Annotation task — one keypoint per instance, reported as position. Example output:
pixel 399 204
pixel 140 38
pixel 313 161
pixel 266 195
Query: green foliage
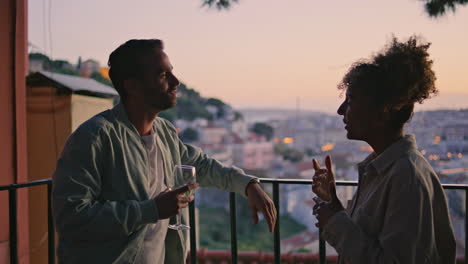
pixel 219 106
pixel 310 152
pixel 98 77
pixel 238 116
pixel 189 135
pixel 214 228
pixel 215 102
pixel 38 56
pixel 263 129
pixel 289 153
pixel 58 66
pixel 437 8
pixel 191 105
pixel 191 109
pixel 219 4
pixel 170 114
pixel 66 71
pixel 215 235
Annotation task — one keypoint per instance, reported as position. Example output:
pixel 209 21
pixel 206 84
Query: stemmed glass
pixel 184 174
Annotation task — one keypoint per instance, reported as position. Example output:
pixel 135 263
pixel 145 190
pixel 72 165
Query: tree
pixel 435 8
pixel 170 114
pixel 289 153
pixel 98 77
pixel 263 129
pixel 219 106
pixel 189 135
pixel 238 116
pixel 219 4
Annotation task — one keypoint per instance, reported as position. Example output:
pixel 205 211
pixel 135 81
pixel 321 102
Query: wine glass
pixel 184 174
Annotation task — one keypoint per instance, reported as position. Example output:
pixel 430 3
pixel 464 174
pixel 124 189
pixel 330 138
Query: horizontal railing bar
pixel 26 184
pixel 347 183
pixel 264 180
pixel 13 187
pixel 455 186
pixel 305 182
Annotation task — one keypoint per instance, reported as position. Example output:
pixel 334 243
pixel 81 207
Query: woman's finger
pixel 329 165
pixel 315 164
pixel 182 205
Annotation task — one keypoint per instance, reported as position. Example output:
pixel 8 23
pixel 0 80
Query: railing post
pixel 12 203
pixel 50 222
pixel 322 248
pixel 232 211
pixel 466 226
pixel 277 241
pixel 193 234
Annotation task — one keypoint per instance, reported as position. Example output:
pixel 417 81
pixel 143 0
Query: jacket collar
pixel 390 155
pixel 122 117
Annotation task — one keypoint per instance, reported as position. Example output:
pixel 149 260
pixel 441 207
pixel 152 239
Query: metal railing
pixel 322 248
pixel 13 217
pixel 12 201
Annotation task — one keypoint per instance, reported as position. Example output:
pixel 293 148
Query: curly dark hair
pixel 126 62
pixel 395 78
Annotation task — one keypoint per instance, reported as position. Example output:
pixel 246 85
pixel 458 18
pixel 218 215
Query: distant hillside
pixel 191 105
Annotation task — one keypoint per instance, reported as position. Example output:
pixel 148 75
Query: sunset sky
pixel 260 53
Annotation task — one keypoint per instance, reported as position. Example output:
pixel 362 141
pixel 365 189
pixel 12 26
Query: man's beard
pixel 168 101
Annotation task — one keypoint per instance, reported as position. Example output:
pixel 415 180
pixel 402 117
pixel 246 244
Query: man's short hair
pixel 126 62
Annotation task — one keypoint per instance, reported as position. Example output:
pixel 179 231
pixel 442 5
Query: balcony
pixel 208 256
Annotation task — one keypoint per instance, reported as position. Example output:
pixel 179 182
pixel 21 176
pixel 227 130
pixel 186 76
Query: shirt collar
pixel 362 166
pixel 393 152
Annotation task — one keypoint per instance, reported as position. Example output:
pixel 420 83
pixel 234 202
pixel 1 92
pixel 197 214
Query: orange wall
pixel 49 125
pixel 13 157
pixel 51 118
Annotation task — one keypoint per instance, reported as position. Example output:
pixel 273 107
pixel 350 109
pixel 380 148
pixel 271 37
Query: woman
pixel 399 213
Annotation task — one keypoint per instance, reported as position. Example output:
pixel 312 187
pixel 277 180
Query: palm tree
pixel 435 8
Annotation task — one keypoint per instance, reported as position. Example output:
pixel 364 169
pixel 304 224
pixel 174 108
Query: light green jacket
pixel 100 189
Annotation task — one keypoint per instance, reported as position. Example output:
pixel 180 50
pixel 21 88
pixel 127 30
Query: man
pixel 110 197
